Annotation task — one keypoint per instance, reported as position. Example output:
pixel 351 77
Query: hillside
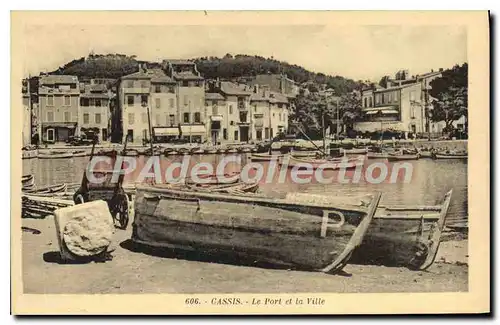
pixel 228 67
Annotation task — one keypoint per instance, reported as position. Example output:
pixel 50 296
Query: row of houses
pixel 174 99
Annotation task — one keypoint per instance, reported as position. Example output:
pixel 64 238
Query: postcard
pixel 212 162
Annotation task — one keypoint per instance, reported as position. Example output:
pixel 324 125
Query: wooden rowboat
pixel 354 151
pixel 311 237
pixel 404 236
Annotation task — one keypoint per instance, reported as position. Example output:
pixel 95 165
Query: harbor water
pixel 430 180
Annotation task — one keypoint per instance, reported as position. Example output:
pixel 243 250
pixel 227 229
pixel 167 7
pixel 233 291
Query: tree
pixel 450 94
pixel 350 108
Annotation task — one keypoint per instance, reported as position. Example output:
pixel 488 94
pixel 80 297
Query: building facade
pixel 402 105
pixel 59 102
pixel 95 114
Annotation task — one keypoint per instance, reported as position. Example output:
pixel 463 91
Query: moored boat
pixel 326 164
pixel 29 154
pixel 397 156
pixel 450 156
pixel 80 153
pixel 354 151
pixel 305 236
pixel 27 180
pixel 265 157
pixel 55 155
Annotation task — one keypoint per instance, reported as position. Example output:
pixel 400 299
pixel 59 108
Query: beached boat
pixel 107 153
pixel 425 154
pixel 131 153
pixel 246 150
pixel 59 188
pixel 197 151
pixel 55 155
pixel 170 152
pixel 305 154
pixel 377 155
pixel 265 157
pixel 304 236
pixel 404 236
pixel 231 150
pixel 398 235
pixel 326 164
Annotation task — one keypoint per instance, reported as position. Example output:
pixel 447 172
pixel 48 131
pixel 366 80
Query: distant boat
pixel 80 153
pixel 265 157
pixel 326 164
pixel 316 237
pixel 354 151
pixel 131 153
pixel 451 156
pixel 55 155
pixel 398 157
pixel 27 179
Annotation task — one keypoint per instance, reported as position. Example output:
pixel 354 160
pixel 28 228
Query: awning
pixel 216 118
pixel 383 111
pixel 193 129
pixel 158 131
pixel 68 125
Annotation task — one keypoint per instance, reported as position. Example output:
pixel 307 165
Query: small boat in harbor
pixel 326 164
pixel 231 150
pixel 197 151
pixel 354 151
pixel 80 153
pixel 451 155
pixel 399 157
pixel 55 155
pixel 265 157
pixel 305 154
pixel 107 153
pixel 131 153
pixel 304 236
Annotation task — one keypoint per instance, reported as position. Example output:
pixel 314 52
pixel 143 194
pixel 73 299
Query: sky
pixel 353 51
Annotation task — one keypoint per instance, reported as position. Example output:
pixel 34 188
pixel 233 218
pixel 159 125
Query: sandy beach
pixel 143 271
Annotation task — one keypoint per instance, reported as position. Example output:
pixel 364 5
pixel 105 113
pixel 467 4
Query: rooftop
pixel 230 88
pixel 213 96
pixel 58 79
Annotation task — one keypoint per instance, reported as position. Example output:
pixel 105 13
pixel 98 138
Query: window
pixel 197 117
pixel 370 102
pixel 412 96
pixel 144 99
pixel 272 132
pixel 50 100
pixel 280 105
pixel 365 102
pixel 185 100
pixel 51 135
pixel 259 134
pixel 255 109
pixel 224 134
pixel 144 117
pixel 230 109
pixel 131 118
pixel 266 133
pixel 171 89
pixel 158 102
pixel 129 84
pixel 144 84
pixel 382 98
pixel 274 114
pixel 186 117
pixel 172 119
pixel 236 135
pixel 157 120
pixel 157 88
pixel 66 116
pixel 215 110
pixel 67 101
pixel 84 102
pixel 130 100
pixel 280 116
pixel 171 102
pixel 98 118
pixel 412 111
pixel 105 134
pixel 85 118
pixel 185 83
pixel 377 99
pixel 98 103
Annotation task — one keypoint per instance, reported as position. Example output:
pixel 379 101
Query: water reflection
pixel 431 179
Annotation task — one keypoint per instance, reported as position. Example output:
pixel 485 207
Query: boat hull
pixel 438 156
pixel 402 157
pixel 265 230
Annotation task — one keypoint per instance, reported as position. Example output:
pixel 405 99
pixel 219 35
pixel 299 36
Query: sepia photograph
pixel 233 162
